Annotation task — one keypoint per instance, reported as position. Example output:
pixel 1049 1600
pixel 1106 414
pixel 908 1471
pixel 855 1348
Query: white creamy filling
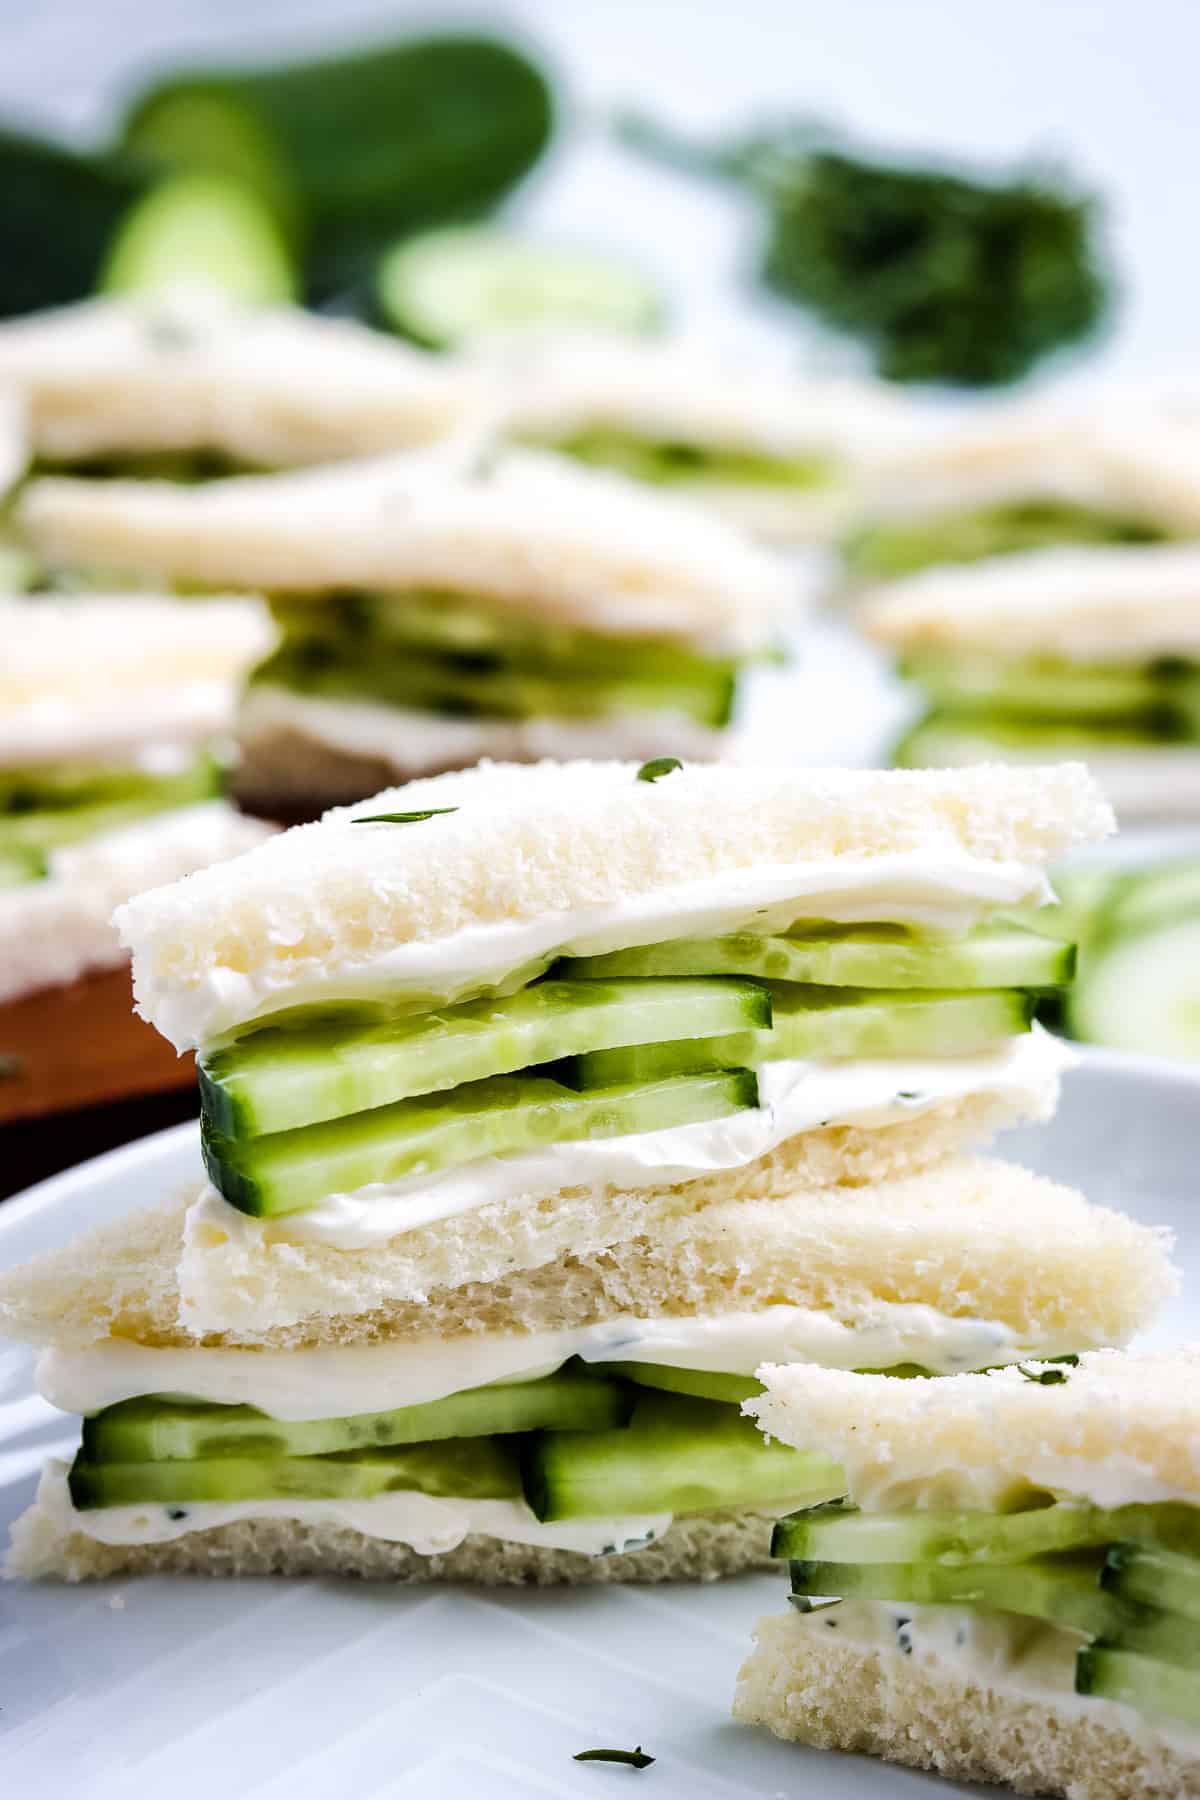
pixel 339 1380
pixel 793 1097
pixel 1001 1653
pixel 147 730
pixel 944 890
pixel 429 1524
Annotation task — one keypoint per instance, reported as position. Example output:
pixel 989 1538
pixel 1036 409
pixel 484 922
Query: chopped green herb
pixel 637 1759
pixel 662 765
pixel 409 818
pixel 1045 1377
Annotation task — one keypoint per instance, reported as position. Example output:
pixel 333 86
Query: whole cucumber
pixel 58 212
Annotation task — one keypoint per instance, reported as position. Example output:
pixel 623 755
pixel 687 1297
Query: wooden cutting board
pixel 82 1045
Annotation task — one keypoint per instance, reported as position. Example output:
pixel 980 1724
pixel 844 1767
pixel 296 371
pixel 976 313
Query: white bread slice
pixel 812 1678
pixel 303 753
pixel 539 534
pixel 194 370
pixel 1113 603
pixel 697 1547
pixel 106 674
pixel 317 908
pixel 1121 1427
pixel 974 1238
pixel 60 928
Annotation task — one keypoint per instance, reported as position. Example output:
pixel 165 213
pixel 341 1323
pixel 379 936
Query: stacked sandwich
pixel 1082 652
pixel 782 456
pixel 1022 478
pixel 436 610
pixel 1012 1591
pixel 115 715
pixel 190 385
pixel 541 1106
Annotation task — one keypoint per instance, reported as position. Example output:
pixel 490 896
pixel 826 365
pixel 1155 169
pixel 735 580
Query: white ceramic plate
pixel 191 1690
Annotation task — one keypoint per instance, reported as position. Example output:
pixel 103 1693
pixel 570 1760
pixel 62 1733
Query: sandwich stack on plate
pixel 1018 479
pixel 541 1106
pixel 189 384
pixel 781 455
pixel 438 609
pixel 1012 1591
pixel 115 718
pixel 1093 653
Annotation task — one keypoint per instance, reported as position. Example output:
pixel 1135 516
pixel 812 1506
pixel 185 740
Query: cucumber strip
pixel 840 1533
pixel 292 1170
pixel 201 229
pixel 676 1455
pixel 669 463
pixel 1140 898
pixel 1148 1685
pixel 829 1024
pixel 701 1384
pixel 447 286
pixel 950 740
pixel 1064 1590
pixel 883 551
pixel 43 829
pixel 1155 1577
pixel 1052 688
pixel 854 956
pixel 277 1080
pixel 469 1468
pixel 20 864
pixel 1141 992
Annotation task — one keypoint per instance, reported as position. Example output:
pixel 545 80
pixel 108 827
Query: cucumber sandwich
pixel 114 714
pixel 1087 652
pixel 781 455
pixel 189 384
pixel 1011 1590
pixel 541 1105
pixel 438 609
pixel 1021 478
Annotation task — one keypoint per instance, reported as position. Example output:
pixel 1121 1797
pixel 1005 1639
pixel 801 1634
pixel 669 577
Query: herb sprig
pixel 660 766
pixel 636 1759
pixel 404 818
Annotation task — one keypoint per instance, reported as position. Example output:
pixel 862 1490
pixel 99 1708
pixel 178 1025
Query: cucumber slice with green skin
pixel 480 1468
pixel 1053 688
pixel 669 464
pixel 701 1384
pixel 1147 897
pixel 277 1080
pixel 292 1170
pixel 158 1428
pixel 945 740
pixel 1148 1685
pixel 37 832
pixel 1141 992
pixel 1155 1577
pixel 853 956
pixel 20 864
pixel 445 287
pixel 840 1533
pixel 201 229
pixel 676 1455
pixel 1064 1590
pixel 826 1025
pixel 882 552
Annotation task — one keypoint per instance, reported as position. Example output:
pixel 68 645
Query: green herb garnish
pixel 661 765
pixel 409 818
pixel 637 1759
pixel 1046 1377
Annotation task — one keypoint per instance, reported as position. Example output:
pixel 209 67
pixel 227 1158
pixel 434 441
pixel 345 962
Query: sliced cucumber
pixel 34 831
pixel 701 1384
pixel 1154 1577
pixel 667 463
pixel 1053 688
pixel 198 229
pixel 447 286
pixel 676 1455
pixel 158 1428
pixel 1161 894
pixel 1148 1685
pixel 292 1170
pixel 829 1024
pixel 276 1080
pixel 945 740
pixel 1064 1590
pixel 20 864
pixel 883 551
pixel 470 1468
pixel 840 1533
pixel 854 956
pixel 1141 992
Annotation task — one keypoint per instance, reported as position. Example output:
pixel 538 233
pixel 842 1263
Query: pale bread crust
pixel 531 840
pixel 699 1547
pixel 806 1686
